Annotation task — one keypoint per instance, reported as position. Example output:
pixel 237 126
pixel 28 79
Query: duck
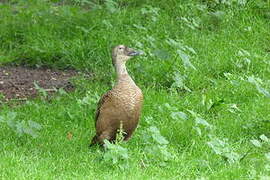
pixel 120 107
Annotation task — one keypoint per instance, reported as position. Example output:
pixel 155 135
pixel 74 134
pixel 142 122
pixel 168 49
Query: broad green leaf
pixel 198 130
pixel 267 155
pixel 263 91
pixel 34 125
pixel 42 91
pixel 161 54
pixel 149 119
pixel 209 104
pixel 264 138
pixel 201 121
pixel 256 143
pixel 232 157
pixel 243 53
pixel 83 29
pixel 155 133
pixel 264 177
pixel 242 2
pixel 174 43
pixel 160 139
pixel 190 49
pixel 214 147
pixel 179 115
pixel 30 131
pixel 252 80
pixel 256 82
pixel 111 6
pixel 20 128
pixel 107 23
pixel 218 14
pixel 11 123
pixel 153 129
pixel 169 107
pixel 193 113
pixel 179 82
pixel 247 60
pixel 185 58
pixel 11 116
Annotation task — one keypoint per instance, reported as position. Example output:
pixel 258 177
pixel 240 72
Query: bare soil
pixel 19 82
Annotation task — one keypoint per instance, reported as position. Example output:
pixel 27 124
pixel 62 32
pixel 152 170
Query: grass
pixel 208 100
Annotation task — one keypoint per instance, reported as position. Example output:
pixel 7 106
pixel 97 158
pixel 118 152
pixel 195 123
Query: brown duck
pixel 121 106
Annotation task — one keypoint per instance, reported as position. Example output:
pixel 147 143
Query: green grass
pixel 231 44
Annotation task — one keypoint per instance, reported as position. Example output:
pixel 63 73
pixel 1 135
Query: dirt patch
pixel 19 82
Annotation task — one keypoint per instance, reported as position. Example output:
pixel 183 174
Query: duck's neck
pixel 122 73
pixel 121 69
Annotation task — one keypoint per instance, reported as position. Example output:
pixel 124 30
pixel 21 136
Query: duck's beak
pixel 132 52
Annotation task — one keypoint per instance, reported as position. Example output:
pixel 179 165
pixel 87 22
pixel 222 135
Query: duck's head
pixel 122 54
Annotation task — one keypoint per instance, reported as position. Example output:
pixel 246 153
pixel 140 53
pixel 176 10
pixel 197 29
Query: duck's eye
pixel 121 48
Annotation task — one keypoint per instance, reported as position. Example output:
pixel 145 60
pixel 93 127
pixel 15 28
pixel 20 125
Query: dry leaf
pixel 69 135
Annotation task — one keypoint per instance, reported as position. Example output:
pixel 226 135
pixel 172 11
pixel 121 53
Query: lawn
pixel 205 75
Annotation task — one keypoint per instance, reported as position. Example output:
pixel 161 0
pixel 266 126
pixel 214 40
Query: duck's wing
pixel 105 98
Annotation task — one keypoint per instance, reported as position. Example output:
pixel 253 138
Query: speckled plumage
pixel 122 104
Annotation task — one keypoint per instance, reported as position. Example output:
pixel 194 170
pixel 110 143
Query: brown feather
pixel 99 105
pixel 121 105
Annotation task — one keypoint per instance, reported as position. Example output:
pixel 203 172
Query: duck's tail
pixel 94 141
